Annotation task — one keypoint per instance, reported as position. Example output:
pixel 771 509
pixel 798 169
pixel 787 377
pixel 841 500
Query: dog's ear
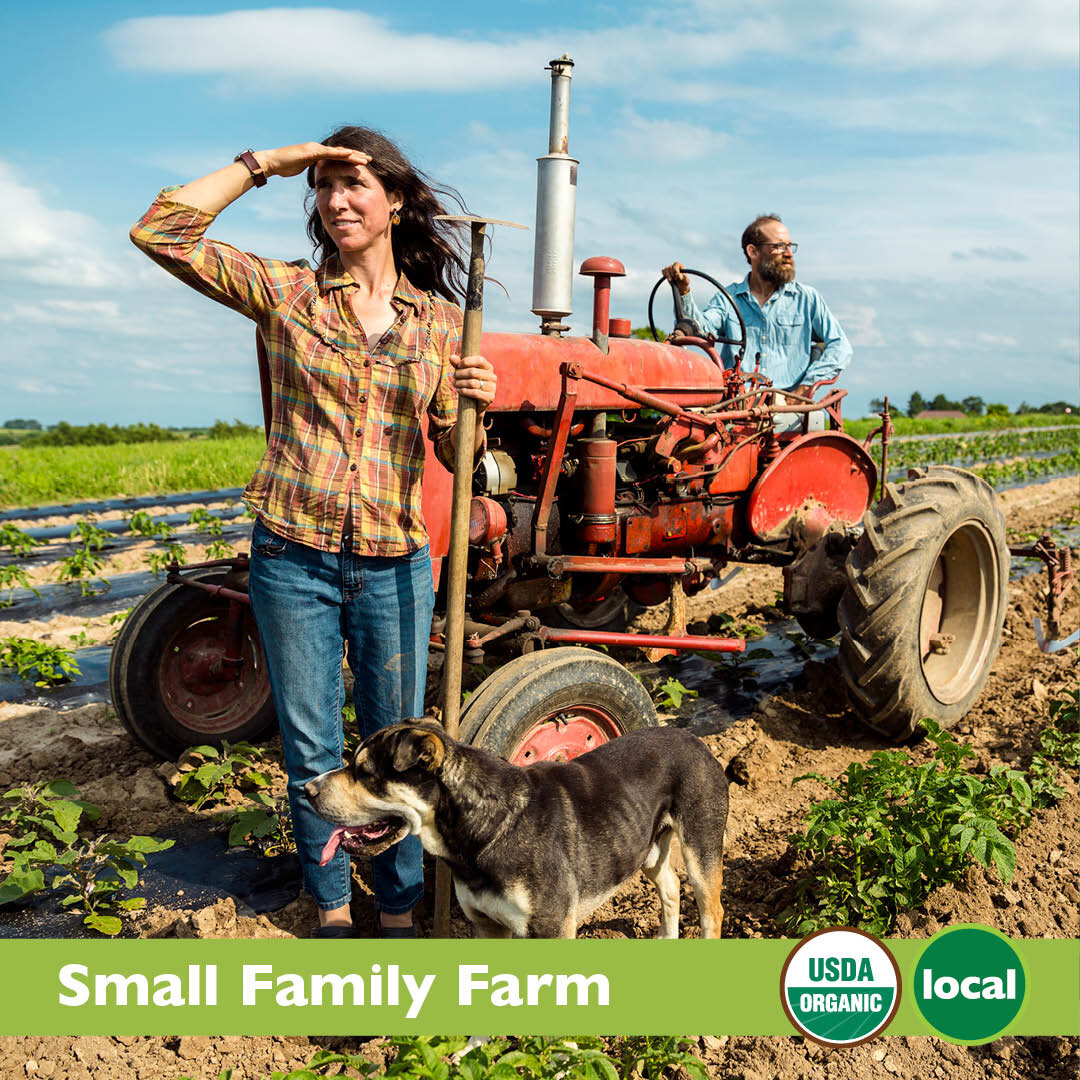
pixel 423 748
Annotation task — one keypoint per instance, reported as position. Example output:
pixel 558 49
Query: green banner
pixel 290 987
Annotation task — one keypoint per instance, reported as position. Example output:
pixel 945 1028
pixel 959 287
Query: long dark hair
pixel 429 252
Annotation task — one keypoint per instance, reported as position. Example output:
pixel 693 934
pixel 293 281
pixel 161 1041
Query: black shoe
pixel 333 932
pixel 393 931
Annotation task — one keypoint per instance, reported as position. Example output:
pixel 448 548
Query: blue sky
pixel 925 155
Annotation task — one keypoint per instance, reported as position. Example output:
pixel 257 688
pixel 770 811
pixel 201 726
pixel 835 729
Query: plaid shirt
pixel 348 418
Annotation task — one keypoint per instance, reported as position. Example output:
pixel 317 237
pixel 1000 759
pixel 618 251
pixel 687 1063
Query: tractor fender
pixel 820 478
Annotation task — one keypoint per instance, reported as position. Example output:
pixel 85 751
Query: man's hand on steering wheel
pixel 674 275
pixel 677 277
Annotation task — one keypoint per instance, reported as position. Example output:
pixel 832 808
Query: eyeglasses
pixel 780 245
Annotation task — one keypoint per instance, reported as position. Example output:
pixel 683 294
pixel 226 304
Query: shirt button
pixel 367 363
pixel 363 398
pixel 352 468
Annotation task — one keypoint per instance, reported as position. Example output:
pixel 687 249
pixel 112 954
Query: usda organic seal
pixel 969 983
pixel 840 986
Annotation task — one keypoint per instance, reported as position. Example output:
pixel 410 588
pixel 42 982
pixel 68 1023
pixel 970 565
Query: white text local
pixel 972 987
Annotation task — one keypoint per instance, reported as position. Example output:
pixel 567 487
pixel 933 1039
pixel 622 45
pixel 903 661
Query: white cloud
pixel 279 48
pixel 996 340
pixel 860 325
pixel 46 244
pixel 912 34
pixel 677 140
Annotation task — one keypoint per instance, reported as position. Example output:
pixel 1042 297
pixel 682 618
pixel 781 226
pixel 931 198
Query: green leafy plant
pixel 142 524
pixel 896 829
pixel 205 521
pixel 11 578
pixel 81 639
pixel 1059 744
pixel 90 873
pixel 82 567
pixel 670 693
pixel 213 773
pixel 538 1057
pixel 264 823
pixel 159 561
pixel 39 811
pixel 31 660
pixel 219 548
pixel 89 535
pixel 19 543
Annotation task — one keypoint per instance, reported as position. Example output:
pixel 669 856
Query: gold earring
pixel 396 219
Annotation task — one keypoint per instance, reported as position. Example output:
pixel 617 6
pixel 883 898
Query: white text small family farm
pixel 259 985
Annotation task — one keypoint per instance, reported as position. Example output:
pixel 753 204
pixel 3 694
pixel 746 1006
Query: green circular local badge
pixel 969 984
pixel 840 986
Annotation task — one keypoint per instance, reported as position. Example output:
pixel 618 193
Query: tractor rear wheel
pixel 554 705
pixel 168 683
pixel 922 613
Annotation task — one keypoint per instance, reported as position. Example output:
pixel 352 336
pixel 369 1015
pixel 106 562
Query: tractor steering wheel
pixel 740 343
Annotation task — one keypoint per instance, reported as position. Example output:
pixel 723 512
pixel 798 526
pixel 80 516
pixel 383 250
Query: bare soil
pixel 806 728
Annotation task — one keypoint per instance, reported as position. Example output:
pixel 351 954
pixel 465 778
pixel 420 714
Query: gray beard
pixel 776 273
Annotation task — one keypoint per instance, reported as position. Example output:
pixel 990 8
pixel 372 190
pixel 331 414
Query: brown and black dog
pixel 535 850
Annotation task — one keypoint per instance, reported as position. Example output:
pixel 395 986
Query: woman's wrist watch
pixel 248 158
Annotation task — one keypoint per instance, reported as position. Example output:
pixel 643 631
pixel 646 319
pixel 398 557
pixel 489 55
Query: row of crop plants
pixel 83 567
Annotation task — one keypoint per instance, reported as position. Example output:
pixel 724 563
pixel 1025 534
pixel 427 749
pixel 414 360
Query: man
pixel 783 318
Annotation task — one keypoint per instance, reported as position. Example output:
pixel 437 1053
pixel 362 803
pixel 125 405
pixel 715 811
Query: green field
pixel 904 425
pixel 36 476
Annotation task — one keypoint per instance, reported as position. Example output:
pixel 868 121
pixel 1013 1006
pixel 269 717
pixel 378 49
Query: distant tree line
pixel 65 434
pixel 971 406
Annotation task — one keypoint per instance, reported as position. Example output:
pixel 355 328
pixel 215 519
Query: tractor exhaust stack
pixel 556 197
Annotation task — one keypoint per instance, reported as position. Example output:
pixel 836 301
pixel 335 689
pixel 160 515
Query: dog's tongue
pixel 332 845
pixel 366 832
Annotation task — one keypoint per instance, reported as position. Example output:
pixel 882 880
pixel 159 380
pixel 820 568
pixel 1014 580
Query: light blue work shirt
pixel 793 318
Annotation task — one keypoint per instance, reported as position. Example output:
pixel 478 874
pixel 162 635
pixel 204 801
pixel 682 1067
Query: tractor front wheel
pixel 170 683
pixel 554 705
pixel 922 613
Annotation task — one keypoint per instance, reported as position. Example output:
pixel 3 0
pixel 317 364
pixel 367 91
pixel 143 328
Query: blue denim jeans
pixel 308 605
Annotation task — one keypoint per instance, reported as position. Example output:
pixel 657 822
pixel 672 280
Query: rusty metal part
pixel 644 641
pixel 537 593
pixel 523 620
pixel 596 477
pixel 884 429
pixel 487 521
pixel 1060 575
pixel 558 565
pixel 540 432
pixel 601 269
pixel 239 564
pixel 553 459
pixel 815 581
pixel 821 477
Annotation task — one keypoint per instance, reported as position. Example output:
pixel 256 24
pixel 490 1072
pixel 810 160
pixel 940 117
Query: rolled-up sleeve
pixel 174 236
pixel 824 327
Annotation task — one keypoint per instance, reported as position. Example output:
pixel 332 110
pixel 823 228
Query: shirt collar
pixel 743 287
pixel 332 275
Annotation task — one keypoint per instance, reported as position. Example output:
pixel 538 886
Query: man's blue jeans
pixel 308 604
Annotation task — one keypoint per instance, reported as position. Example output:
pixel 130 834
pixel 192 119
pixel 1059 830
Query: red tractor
pixel 622 473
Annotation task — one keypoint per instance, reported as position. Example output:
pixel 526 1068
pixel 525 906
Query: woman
pixel 363 356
